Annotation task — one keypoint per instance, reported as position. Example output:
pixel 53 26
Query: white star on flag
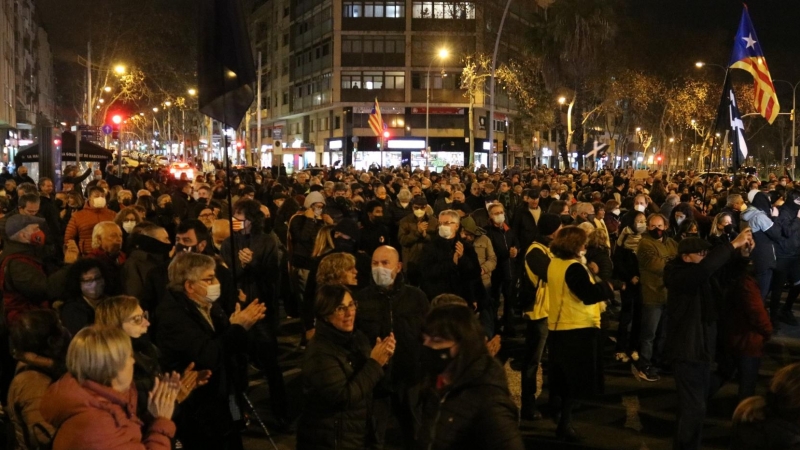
pixel 750 41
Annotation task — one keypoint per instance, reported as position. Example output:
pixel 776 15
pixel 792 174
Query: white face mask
pixel 419 213
pixel 383 276
pixel 445 231
pixel 582 253
pixel 212 293
pixel 318 212
pixel 639 207
pixel 98 202
pixel 679 220
pixel 128 225
pixel 195 195
pixel 500 218
pixel 615 211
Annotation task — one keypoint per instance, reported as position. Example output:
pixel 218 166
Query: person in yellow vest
pixel 576 301
pixel 537 260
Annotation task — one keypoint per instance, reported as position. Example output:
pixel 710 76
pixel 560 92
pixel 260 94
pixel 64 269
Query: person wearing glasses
pixel 207 216
pixel 124 312
pixel 193 327
pixel 450 265
pixel 339 374
pixel 692 306
pixel 86 285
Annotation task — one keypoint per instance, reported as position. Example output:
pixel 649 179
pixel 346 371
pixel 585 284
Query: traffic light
pixel 117 119
pixel 386 135
pixel 658 158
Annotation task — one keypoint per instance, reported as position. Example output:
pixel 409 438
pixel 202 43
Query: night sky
pixel 678 31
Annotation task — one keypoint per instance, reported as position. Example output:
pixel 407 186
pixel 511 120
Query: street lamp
pixel 192 92
pixel 442 54
pixel 562 100
pixel 119 69
pixel 107 88
pixel 701 64
pixel 169 127
pixel 794 123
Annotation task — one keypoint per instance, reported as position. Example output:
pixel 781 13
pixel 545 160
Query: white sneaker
pixel 635 355
pixel 621 356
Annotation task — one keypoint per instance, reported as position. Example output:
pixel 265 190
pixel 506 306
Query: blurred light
pixel 107 88
pixel 167 103
pixel 155 110
pixel 120 69
pixel 117 119
pixel 699 64
pixel 101 101
pixel 562 100
pixel 192 91
pixel 444 53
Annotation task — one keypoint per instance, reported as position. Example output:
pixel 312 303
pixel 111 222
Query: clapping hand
pixel 191 380
pixel 249 316
pixel 245 256
pixel 459 252
pixel 161 400
pixel 383 350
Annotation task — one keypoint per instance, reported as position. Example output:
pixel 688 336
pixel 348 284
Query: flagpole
pixel 714 141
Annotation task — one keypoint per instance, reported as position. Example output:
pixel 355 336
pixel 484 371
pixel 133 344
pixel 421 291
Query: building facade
pixel 326 62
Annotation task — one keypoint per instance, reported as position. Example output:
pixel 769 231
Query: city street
pixel 632 415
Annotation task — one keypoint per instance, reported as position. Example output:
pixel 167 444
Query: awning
pixel 89 152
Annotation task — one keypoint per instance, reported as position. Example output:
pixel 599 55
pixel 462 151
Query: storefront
pixel 411 150
pixel 334 153
pixel 362 160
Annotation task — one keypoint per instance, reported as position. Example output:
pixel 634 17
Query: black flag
pixel 225 68
pixel 730 127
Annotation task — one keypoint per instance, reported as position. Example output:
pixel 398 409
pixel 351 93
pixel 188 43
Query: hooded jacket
pixel 789 225
pixel 91 416
pixel 765 233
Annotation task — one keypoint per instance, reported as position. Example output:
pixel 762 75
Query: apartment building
pixel 325 62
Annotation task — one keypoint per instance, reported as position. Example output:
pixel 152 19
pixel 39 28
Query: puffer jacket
pixel 23 408
pixel 474 412
pixel 338 380
pixel 90 416
pixel 82 223
pixel 653 255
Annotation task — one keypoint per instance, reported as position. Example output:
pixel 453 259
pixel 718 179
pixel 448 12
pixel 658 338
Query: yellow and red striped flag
pixel 375 119
pixel 748 55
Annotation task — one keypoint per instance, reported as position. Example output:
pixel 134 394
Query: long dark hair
pixel 72 283
pixel 252 212
pixel 39 331
pixel 457 323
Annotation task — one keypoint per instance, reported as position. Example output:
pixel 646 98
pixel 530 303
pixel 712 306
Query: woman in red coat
pixel 93 406
pixel 749 324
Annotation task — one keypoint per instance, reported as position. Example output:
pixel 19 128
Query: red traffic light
pixel 117 119
pixel 386 134
pixel 56 142
pixel 659 158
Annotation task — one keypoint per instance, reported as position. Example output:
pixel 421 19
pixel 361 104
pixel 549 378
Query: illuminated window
pixel 443 10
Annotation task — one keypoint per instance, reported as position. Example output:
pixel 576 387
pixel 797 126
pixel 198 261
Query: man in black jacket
pixel 447 265
pixel 506 248
pixel 194 328
pixel 692 308
pixel 391 306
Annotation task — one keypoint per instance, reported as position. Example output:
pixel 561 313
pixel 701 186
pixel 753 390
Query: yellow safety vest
pixel 541 303
pixel 567 312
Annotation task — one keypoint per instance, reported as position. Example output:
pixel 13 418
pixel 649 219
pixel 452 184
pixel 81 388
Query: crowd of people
pixel 136 306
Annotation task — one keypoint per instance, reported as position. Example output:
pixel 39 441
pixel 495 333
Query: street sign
pixel 107 129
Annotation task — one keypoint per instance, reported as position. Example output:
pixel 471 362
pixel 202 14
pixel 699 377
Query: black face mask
pixel 127 202
pixel 180 248
pixel 728 229
pixel 434 362
pixel 344 244
pixel 566 219
pixel 656 233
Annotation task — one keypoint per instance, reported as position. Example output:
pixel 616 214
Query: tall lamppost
pixel 794 122
pixel 167 105
pixel 561 101
pixel 442 54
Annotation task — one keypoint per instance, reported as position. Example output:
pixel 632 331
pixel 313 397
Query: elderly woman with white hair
pixel 449 265
pixel 192 327
pixel 93 406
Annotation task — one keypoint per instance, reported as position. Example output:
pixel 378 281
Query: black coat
pixel 475 412
pixel 441 276
pixel 524 226
pixel 692 293
pixel 185 336
pixel 771 434
pixel 76 313
pixel 398 309
pixel 338 380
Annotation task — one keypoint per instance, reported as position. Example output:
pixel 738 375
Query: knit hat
pixel 469 225
pixel 548 224
pixel 419 200
pixel 313 197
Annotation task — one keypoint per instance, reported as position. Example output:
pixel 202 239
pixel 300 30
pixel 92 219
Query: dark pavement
pixel 634 415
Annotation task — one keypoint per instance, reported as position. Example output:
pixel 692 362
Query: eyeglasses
pixel 138 319
pixel 209 280
pixel 206 216
pixel 447 223
pixel 342 309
